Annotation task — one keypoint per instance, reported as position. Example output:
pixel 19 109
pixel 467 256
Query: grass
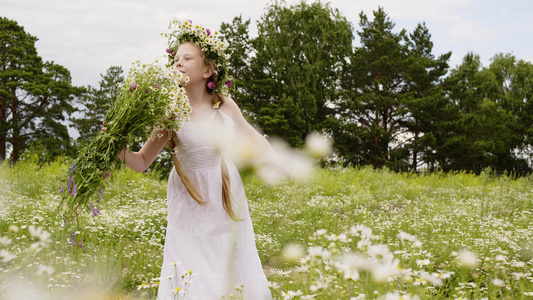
pixel 347 234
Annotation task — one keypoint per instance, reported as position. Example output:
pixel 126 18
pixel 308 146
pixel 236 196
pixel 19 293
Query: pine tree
pixel 371 112
pixel 35 96
pixel 423 100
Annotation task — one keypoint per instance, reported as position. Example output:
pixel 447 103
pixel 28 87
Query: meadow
pixel 348 233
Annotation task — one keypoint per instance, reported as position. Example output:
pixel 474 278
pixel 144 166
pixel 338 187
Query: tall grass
pixel 347 234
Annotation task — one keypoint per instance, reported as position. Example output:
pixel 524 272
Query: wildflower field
pixel 346 234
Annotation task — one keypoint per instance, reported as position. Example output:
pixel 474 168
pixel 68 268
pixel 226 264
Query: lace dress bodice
pixel 202 163
pixel 203 238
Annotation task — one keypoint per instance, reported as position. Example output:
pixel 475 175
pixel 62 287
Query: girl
pixel 210 249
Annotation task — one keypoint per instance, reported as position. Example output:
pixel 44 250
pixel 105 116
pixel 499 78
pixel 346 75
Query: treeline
pixel 389 102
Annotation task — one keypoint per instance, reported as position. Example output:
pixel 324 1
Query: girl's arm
pixel 140 161
pixel 232 109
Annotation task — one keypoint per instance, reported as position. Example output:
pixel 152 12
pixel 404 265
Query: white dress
pixel 208 255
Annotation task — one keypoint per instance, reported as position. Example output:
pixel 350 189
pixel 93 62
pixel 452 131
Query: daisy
pixel 4 240
pixel 5 256
pixel 467 259
pixel 422 262
pixel 43 238
pixel 291 294
pixel 498 282
pixel 319 252
pixel 406 237
pixel 273 285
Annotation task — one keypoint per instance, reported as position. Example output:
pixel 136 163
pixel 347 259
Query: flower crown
pixel 212 44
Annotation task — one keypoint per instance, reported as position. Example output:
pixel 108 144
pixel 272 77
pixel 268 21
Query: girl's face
pixel 189 62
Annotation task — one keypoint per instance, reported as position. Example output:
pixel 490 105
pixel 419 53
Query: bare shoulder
pixel 231 108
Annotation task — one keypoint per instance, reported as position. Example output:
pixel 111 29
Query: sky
pixel 89 36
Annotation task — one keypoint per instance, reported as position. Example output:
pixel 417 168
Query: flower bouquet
pixel 150 100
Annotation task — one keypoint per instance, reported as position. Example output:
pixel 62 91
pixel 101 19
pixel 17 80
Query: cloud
pixel 450 18
pixel 88 36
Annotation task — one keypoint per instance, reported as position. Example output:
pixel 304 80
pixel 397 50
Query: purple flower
pixel 229 83
pixel 69 182
pixel 100 195
pixel 208 32
pixel 169 51
pixel 74 188
pixel 156 85
pixel 147 91
pixel 133 86
pixel 211 85
pixel 106 175
pixel 72 240
pixel 94 209
pixel 80 243
pixel 190 21
pixel 62 189
pixel 72 168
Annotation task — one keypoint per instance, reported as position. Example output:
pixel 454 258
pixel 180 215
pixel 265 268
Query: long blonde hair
pixel 218 101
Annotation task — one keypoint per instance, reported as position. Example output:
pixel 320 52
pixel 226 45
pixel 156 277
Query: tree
pixel 96 103
pixel 522 92
pixel 423 99
pixel 240 51
pixel 482 131
pixel 295 70
pixel 369 116
pixel 34 95
pixel 515 91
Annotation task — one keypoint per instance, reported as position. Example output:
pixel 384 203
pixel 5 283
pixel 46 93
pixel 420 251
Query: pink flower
pixel 211 85
pixel 156 85
pixel 169 51
pixel 190 21
pixel 133 86
pixel 208 32
pixel 229 83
